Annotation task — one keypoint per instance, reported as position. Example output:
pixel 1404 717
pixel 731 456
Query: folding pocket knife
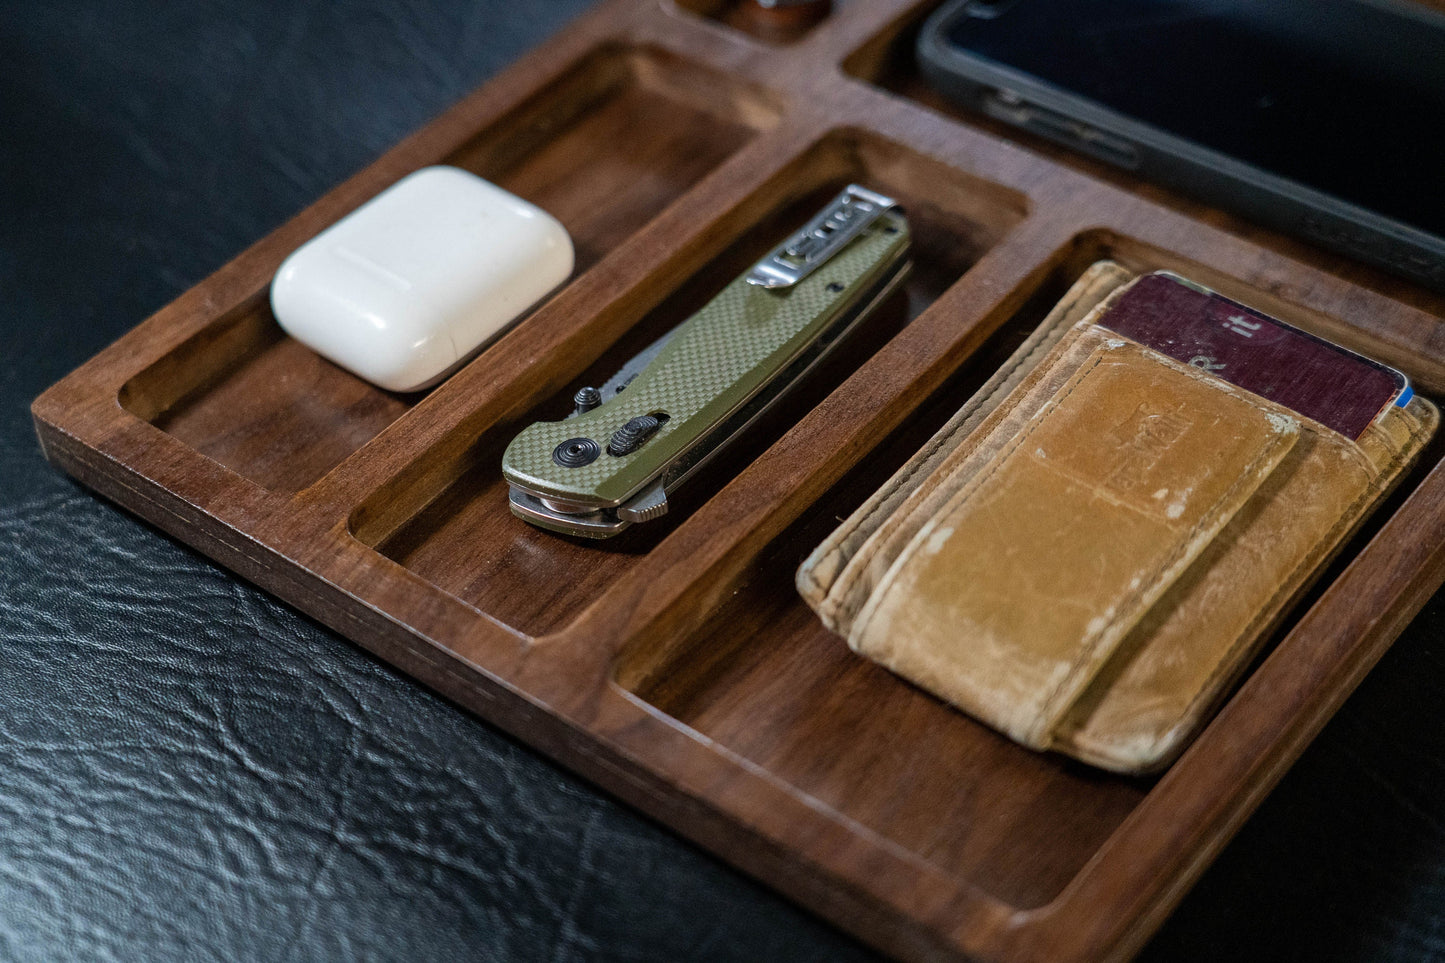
pixel 631 443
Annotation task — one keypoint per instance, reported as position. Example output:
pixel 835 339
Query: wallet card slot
pixel 1009 600
pixel 1167 676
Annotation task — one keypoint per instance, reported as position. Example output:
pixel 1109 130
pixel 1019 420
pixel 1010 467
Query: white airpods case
pixel 410 285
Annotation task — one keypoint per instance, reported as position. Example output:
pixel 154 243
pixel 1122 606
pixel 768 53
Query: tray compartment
pixel 245 395
pixel 616 140
pixel 466 542
pixel 764 678
pixel 889 61
pixel 770 683
pixel 888 58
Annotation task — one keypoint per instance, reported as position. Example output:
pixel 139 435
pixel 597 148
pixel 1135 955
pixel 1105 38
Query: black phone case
pixel 1025 101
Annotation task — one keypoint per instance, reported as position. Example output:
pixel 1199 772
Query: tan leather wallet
pixel 1091 551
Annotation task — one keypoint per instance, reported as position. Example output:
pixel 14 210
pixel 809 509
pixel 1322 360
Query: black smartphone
pixel 1321 118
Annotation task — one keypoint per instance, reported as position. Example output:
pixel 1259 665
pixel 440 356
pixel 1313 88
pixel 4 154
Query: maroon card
pixel 1320 380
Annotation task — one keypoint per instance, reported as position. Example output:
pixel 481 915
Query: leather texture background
pixel 190 770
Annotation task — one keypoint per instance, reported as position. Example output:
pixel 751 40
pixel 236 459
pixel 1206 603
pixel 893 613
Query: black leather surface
pixel 190 770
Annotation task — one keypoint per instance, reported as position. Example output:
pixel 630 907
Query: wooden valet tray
pixel 675 665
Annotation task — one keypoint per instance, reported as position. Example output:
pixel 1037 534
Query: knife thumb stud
pixel 585 400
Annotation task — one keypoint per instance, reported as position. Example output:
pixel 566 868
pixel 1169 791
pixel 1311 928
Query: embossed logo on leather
pixel 1140 440
pixel 1152 437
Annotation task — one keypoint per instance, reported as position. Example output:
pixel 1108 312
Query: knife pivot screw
pixel 585 400
pixel 629 437
pixel 576 452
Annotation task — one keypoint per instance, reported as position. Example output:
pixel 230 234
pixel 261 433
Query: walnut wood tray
pixel 675 665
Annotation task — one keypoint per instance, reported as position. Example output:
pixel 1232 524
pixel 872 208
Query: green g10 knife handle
pixel 714 363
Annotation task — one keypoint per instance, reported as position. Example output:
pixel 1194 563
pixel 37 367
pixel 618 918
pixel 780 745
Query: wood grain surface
pixel 676 666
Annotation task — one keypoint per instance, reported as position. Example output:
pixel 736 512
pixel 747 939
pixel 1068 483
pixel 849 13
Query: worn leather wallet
pixel 1092 550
